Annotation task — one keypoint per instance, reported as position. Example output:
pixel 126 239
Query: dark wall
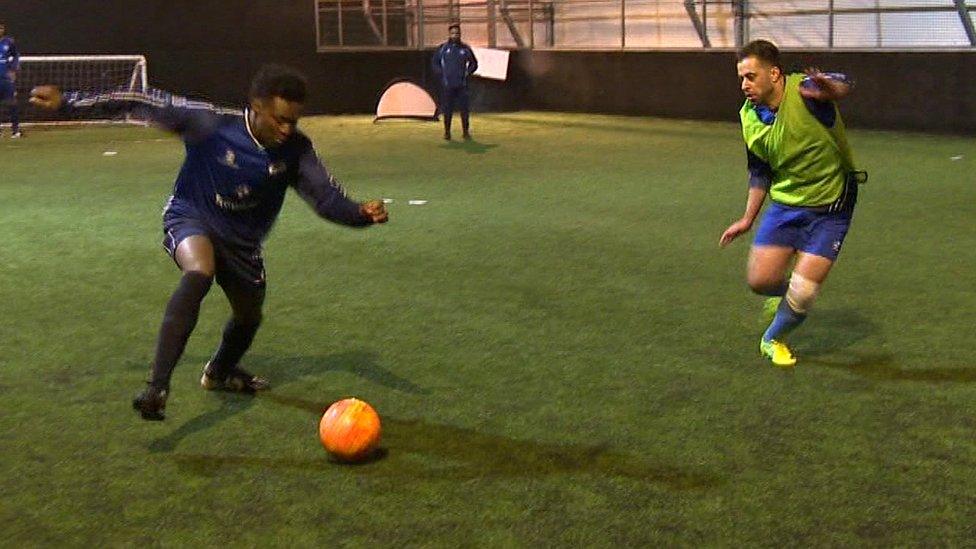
pixel 210 48
pixel 932 91
pixel 920 91
pixel 685 85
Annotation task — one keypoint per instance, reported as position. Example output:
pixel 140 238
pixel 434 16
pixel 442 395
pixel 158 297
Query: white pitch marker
pixel 388 201
pixel 957 157
pixel 110 153
pixel 416 202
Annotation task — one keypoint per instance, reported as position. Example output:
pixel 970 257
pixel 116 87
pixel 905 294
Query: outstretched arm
pixel 192 119
pixel 325 195
pixel 825 86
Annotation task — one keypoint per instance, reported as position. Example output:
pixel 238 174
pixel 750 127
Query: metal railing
pixel 647 24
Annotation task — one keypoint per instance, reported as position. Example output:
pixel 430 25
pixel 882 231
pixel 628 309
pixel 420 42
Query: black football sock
pixel 178 322
pixel 447 123
pixel 235 342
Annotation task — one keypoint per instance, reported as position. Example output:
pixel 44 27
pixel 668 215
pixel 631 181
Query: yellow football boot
pixel 777 352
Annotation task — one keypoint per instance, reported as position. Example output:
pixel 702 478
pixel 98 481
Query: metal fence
pixel 647 24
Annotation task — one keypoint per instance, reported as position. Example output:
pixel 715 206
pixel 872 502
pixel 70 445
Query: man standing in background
pixel 9 63
pixel 453 62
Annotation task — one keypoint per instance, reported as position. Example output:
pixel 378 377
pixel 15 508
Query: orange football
pixel 350 429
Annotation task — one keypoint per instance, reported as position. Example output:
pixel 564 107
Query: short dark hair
pixel 454 26
pixel 279 81
pixel 763 50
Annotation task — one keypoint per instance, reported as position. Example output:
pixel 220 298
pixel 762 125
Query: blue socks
pixel 785 321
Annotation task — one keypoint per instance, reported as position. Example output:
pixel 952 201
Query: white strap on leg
pixel 801 293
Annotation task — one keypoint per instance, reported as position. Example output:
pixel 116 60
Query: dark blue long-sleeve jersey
pixel 229 180
pixel 453 63
pixel 9 57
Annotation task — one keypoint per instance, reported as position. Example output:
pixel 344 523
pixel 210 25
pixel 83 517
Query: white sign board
pixel 492 64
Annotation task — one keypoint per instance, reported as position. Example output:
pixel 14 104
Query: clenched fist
pixel 46 97
pixel 374 210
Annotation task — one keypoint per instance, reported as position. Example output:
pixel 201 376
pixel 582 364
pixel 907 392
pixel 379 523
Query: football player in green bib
pixel 798 156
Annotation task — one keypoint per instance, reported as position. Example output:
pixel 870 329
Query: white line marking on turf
pixel 417 202
pixel 388 201
pixel 957 157
pixel 110 153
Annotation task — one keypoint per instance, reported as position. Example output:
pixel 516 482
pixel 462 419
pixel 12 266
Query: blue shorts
pixel 235 264
pixel 8 91
pixel 812 232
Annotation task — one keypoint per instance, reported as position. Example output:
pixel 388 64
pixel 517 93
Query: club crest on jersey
pixel 240 200
pixel 230 160
pixel 276 168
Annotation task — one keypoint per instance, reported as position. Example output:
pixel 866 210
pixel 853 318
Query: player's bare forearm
pixel 741 226
pixel 754 202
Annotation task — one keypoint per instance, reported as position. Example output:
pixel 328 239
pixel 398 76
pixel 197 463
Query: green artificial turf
pixel 560 352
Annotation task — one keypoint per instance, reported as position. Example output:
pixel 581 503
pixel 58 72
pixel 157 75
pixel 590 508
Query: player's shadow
pixel 231 404
pixel 882 367
pixel 833 331
pixel 282 370
pixel 469 146
pixel 460 454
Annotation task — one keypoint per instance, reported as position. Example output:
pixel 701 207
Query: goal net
pixel 77 72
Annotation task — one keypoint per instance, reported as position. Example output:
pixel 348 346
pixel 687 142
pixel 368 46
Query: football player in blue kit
pixel 9 65
pixel 226 198
pixel 452 63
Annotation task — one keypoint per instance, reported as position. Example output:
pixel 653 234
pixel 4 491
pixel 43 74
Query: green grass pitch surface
pixel 561 354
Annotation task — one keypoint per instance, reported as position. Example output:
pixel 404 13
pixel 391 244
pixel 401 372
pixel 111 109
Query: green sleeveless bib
pixel 809 161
